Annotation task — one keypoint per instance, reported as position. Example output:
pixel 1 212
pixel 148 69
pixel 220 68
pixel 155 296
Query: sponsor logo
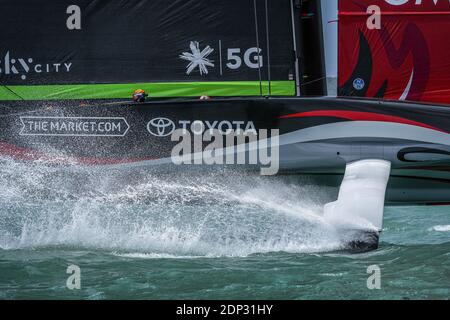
pixel 24 66
pixel 164 127
pixel 74 126
pixel 198 58
pixel 161 127
pixel 397 2
pixel 223 126
pixel 235 58
pixel 359 84
pixel 402 2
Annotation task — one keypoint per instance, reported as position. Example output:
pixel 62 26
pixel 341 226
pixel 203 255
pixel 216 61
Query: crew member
pixel 139 95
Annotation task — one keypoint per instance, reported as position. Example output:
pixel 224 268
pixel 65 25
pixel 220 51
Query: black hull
pixel 317 136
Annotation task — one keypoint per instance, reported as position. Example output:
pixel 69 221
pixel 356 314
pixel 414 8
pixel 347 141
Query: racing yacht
pixel 67 83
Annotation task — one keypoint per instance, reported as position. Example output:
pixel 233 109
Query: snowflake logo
pixel 198 58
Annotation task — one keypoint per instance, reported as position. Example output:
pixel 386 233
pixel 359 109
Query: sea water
pixel 217 235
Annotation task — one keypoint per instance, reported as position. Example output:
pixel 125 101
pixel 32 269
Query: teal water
pixel 215 236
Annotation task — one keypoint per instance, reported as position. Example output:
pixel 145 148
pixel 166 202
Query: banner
pixel 58 49
pixel 404 58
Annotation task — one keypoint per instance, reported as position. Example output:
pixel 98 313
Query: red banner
pixel 395 49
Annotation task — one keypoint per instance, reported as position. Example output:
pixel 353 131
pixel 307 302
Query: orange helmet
pixel 139 95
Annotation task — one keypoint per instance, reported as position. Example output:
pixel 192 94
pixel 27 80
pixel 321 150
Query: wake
pixel 213 214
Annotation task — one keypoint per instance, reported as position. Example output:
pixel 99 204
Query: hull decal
pixel 359 116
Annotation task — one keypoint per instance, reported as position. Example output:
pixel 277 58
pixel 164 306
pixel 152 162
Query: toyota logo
pixel 161 127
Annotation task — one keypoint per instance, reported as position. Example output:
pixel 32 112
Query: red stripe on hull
pixel 359 116
pixel 20 153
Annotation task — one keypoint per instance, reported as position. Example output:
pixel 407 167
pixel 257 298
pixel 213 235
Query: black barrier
pixel 85 41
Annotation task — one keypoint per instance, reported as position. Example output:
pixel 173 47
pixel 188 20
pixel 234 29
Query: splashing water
pixel 444 228
pixel 212 214
pixel 215 235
